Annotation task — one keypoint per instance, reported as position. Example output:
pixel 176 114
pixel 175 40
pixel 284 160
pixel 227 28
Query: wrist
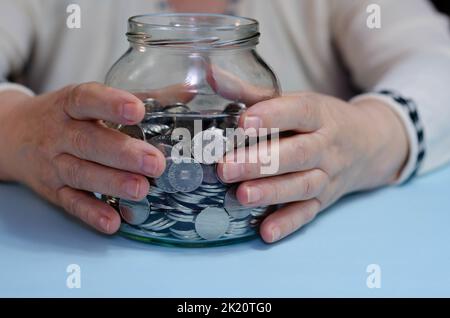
pixel 385 144
pixel 11 102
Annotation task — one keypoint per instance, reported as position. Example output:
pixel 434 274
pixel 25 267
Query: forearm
pixel 10 101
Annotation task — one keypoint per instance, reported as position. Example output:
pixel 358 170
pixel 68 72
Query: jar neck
pixel 193 31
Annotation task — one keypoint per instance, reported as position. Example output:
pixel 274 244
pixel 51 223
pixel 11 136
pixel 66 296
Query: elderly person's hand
pixel 334 148
pixel 57 145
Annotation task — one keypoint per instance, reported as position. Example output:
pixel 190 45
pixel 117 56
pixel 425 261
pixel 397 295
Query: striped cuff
pixel 407 111
pixel 7 86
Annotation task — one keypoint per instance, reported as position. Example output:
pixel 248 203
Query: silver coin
pixel 209 174
pixel 212 223
pixel 152 234
pixel 180 207
pixel 152 130
pixel 259 212
pixel 156 192
pixel 177 108
pixel 167 224
pixel 235 108
pixel 216 190
pixel 161 139
pixel 211 142
pixel 181 217
pixel 151 106
pixel 160 206
pixel 239 224
pixel 188 198
pixel 185 235
pixel 134 213
pixel 186 175
pixel 234 208
pixel 134 131
pixel 153 221
pixel 163 181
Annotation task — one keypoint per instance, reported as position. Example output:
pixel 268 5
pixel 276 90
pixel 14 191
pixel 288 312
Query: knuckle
pixel 323 178
pixel 80 142
pixel 276 193
pixel 308 187
pixel 50 175
pixel 77 92
pixel 63 97
pixel 74 205
pixel 301 153
pixel 309 104
pixel 73 174
pixel 309 215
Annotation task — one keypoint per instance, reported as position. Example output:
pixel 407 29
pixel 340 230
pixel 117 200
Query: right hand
pixel 57 144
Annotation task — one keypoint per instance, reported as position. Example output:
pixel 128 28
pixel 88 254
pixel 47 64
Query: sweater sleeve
pixel 16 40
pixel 406 64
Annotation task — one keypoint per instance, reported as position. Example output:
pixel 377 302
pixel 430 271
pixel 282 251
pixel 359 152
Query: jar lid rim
pixel 197 30
pixel 241 22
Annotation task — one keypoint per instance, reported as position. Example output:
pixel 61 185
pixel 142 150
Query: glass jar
pixel 196 74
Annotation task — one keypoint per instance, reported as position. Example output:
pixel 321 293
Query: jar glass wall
pixel 196 74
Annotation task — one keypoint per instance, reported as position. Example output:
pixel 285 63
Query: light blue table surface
pixel 405 230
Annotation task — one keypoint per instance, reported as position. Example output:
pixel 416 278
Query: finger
pixel 288 219
pixel 88 176
pixel 88 209
pixel 93 142
pixel 291 187
pixel 90 101
pixel 234 88
pixel 296 153
pixel 178 93
pixel 297 113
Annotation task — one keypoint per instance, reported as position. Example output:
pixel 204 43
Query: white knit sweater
pixel 320 45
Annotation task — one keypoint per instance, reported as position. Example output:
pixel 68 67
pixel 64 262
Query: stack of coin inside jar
pixel 188 204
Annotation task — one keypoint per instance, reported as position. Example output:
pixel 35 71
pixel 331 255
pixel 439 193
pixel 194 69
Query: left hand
pixel 335 148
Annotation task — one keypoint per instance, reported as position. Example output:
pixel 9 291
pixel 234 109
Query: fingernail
pixel 104 224
pixel 254 194
pixel 132 188
pixel 251 126
pixel 129 111
pixel 232 171
pixel 276 235
pixel 150 165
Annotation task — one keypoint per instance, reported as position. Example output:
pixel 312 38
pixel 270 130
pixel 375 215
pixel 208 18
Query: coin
pixel 151 106
pixel 163 181
pixel 134 131
pixel 209 174
pixel 186 175
pixel 235 108
pixel 176 108
pixel 134 213
pixel 233 206
pixel 212 143
pixel 161 139
pixel 181 217
pixel 152 130
pixel 212 223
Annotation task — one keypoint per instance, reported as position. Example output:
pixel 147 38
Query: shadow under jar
pixel 196 74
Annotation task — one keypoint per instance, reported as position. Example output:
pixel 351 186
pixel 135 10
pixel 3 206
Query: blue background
pixel 405 230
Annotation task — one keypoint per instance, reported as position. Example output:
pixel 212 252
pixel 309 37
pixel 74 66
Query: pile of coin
pixel 188 202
